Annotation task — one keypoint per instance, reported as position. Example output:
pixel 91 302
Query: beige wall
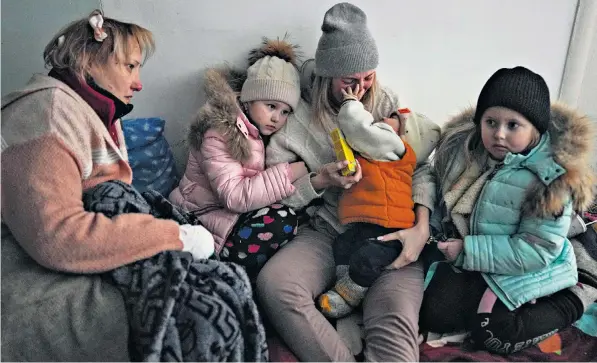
pixel 579 83
pixel 27 26
pixel 436 60
pixel 587 100
pixel 435 54
pixel 588 95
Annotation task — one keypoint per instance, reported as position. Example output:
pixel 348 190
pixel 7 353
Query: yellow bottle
pixel 343 152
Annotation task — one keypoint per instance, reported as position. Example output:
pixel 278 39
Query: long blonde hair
pixel 460 139
pixel 75 48
pixel 322 107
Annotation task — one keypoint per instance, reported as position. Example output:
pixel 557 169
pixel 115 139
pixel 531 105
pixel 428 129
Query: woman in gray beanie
pixel 346 56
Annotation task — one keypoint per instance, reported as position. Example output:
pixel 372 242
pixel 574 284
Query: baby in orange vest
pixel 379 204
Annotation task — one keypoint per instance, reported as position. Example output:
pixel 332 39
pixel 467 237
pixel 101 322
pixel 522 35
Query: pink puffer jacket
pixel 225 174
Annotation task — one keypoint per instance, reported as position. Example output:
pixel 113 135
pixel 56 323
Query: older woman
pixel 61 135
pixel 346 56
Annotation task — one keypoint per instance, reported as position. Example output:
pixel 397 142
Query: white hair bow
pixel 97 22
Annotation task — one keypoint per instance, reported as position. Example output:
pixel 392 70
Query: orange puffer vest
pixel 384 194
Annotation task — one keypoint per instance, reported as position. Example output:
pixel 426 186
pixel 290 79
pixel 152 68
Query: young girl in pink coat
pixel 225 182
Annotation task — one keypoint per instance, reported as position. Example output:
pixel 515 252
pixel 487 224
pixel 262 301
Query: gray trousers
pixel 53 316
pixel 291 281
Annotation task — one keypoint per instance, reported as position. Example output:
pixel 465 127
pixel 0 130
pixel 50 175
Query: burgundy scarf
pixel 107 106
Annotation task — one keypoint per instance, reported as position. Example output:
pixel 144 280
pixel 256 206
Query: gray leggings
pixel 291 280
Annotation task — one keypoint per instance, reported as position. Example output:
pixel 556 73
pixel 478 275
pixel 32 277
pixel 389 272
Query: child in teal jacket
pixel 511 173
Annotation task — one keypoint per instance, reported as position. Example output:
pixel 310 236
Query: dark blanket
pixel 569 345
pixel 181 309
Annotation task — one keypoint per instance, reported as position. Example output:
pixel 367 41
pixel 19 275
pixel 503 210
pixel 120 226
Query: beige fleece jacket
pixel 54 146
pixel 302 140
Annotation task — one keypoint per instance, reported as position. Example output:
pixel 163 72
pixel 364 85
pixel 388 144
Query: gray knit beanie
pixel 273 75
pixel 346 45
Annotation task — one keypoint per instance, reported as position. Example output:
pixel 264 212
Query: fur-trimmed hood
pixel 220 111
pixel 222 90
pixel 570 137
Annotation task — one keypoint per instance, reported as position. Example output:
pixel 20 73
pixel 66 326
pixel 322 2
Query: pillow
pixel 150 155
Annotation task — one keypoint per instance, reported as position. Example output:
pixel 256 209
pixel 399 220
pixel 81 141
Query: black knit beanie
pixel 518 89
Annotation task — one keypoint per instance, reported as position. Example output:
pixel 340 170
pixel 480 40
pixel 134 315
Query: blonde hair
pixel 75 48
pixel 324 111
pixel 462 138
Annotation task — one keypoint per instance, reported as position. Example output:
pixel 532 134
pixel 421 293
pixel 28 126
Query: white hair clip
pixel 97 22
pixel 60 40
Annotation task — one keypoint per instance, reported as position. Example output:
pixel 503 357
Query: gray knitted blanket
pixel 181 309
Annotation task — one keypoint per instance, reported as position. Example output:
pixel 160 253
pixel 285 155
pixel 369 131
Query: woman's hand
pixel 451 248
pixel 298 170
pixel 349 94
pixel 329 175
pixel 413 240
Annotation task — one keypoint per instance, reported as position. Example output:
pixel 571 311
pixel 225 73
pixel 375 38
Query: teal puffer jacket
pixel 521 257
pixel 517 230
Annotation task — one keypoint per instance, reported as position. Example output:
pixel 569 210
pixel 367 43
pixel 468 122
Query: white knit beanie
pixel 273 75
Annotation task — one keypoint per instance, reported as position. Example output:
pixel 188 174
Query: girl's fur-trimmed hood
pixel 571 135
pixel 220 111
pixel 222 89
